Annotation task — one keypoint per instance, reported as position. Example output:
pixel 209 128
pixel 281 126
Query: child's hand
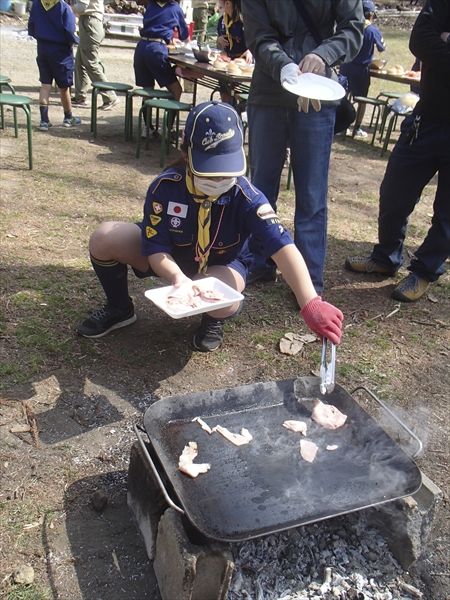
pixel 323 319
pixel 223 42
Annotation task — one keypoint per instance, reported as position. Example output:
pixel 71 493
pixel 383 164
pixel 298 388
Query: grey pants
pixel 87 65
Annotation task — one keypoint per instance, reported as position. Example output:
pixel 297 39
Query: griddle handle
pixel 327 371
pixel 155 472
pixel 394 416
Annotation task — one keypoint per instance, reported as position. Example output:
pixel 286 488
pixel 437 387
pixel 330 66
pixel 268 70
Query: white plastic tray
pixel 159 297
pixel 316 87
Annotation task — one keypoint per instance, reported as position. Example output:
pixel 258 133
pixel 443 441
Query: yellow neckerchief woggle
pixel 204 221
pixel 48 4
pixel 228 22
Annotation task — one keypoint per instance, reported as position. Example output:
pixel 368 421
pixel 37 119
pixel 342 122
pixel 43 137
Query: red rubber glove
pixel 324 319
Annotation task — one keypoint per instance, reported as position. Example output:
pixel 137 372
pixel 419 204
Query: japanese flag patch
pixel 177 210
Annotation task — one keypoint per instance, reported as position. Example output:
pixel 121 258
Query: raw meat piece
pixel 235 438
pixel 327 415
pixel 332 447
pixel 308 450
pixel 297 426
pixel 202 424
pixel 208 295
pixel 186 464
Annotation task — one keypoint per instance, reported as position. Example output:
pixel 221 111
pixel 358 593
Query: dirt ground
pixel 86 395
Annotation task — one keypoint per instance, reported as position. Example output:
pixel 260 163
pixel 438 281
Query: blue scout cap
pixel 214 137
pixel 369 7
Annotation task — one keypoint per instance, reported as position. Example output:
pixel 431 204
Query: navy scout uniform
pixel 151 55
pixel 170 224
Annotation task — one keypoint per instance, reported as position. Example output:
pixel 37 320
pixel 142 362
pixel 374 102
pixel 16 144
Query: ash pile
pixel 343 558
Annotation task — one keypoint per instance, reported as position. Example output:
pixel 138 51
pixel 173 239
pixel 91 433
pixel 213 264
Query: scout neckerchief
pixel 204 221
pixel 48 4
pixel 228 22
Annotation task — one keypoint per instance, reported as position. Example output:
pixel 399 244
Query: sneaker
pixel 109 105
pixel 80 101
pixel 105 320
pixel 410 288
pixel 266 275
pixel 71 122
pixel 209 336
pixel 44 125
pixel 365 264
pixel 360 134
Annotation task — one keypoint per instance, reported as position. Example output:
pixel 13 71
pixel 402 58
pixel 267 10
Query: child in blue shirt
pixel 198 218
pixel 52 23
pixel 231 37
pixel 358 71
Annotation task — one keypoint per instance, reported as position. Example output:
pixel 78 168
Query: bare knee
pixel 104 239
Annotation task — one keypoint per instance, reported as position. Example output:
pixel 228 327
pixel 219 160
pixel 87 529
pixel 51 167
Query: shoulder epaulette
pixel 166 176
pixel 246 187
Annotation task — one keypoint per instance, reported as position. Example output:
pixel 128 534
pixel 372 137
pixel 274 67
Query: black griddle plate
pixel 265 486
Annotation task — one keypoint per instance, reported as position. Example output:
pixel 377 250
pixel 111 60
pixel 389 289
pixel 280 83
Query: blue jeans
pixel 309 135
pixel 410 169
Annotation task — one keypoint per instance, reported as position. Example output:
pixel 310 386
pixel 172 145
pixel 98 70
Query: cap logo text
pixel 212 139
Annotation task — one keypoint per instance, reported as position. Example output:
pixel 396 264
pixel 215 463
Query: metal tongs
pixel 327 371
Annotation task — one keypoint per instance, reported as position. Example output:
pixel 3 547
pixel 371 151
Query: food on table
pixel 327 415
pixel 331 447
pixel 186 461
pixel 224 56
pixel 413 74
pixel 233 69
pixel 235 438
pixel 396 70
pixel 192 297
pixel 247 69
pixel 296 426
pixel 308 450
pixel 202 424
pixel 220 64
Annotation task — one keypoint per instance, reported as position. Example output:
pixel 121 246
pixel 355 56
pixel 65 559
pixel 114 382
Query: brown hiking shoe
pixel 410 288
pixel 365 264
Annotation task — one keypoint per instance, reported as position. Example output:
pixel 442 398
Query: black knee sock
pixel 114 279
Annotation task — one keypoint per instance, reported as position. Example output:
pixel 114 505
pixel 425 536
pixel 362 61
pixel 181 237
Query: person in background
pixel 422 150
pixel 197 219
pixel 231 37
pixel 87 64
pixel 358 71
pixel 213 21
pixel 52 23
pixel 230 31
pixel 282 46
pixel 151 57
pixel 200 16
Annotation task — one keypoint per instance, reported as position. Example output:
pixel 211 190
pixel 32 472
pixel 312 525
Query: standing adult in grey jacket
pixel 282 45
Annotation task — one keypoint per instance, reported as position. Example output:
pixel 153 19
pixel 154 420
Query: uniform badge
pixel 157 207
pixel 150 232
pixel 265 212
pixel 177 210
pixel 154 220
pixel 175 222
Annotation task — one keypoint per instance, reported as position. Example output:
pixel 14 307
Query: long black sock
pixel 113 277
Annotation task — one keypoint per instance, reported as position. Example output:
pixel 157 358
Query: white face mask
pixel 214 188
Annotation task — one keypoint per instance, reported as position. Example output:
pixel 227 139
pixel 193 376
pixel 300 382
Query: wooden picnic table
pixel 211 77
pixel 382 74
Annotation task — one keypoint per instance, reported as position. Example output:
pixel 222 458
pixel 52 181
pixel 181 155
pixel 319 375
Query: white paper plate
pixel 316 87
pixel 159 297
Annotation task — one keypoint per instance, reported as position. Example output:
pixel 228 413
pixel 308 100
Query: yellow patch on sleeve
pixel 150 232
pixel 154 220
